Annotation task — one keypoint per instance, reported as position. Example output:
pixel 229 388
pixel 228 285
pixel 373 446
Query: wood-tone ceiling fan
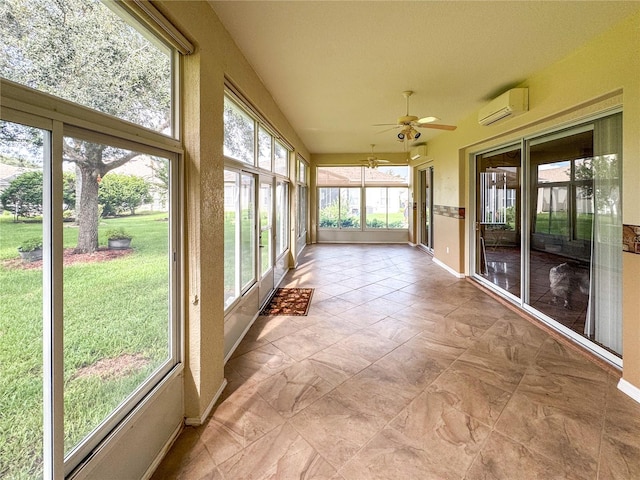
pixel 372 161
pixel 408 123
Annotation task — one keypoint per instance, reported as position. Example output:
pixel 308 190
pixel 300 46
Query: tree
pixel 122 193
pixel 82 51
pixel 23 196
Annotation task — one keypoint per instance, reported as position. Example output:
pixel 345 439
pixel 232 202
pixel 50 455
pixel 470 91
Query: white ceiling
pixel 335 68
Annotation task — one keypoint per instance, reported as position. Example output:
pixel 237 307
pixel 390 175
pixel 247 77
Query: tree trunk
pixel 88 213
pixel 78 192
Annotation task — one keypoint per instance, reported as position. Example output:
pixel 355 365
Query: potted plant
pixel 31 250
pixel 118 239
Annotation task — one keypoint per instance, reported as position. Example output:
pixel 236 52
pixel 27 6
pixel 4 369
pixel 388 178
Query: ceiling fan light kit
pixel 372 161
pixel 409 123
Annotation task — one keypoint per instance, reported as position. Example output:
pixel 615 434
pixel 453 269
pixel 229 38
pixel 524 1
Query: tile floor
pixel 402 371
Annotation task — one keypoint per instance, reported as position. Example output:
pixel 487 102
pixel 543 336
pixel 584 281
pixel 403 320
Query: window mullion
pixel 53 360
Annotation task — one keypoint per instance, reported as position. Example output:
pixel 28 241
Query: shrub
pixel 118 234
pixel 30 245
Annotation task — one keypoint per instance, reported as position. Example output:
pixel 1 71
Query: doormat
pixel 289 301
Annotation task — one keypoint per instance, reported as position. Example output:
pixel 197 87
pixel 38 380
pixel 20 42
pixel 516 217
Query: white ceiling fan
pixel 372 161
pixel 408 124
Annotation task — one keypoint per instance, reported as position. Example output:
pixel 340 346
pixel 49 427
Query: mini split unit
pixel 418 152
pixel 510 103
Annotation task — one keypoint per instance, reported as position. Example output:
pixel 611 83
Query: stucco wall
pixel 603 73
pixel 203 78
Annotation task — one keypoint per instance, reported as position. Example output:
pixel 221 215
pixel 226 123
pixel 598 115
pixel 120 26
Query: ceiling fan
pixel 408 123
pixel 372 161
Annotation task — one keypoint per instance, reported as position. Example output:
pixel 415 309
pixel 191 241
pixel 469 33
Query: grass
pixel 111 309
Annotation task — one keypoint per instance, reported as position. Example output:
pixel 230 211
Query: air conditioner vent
pixel 510 103
pixel 417 152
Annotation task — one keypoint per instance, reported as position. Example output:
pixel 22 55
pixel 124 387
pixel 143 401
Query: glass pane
pixel 583 172
pixel 231 232
pixel 398 208
pixel 339 176
pixel 265 141
pixel 552 211
pixel 562 211
pixel 266 207
pixel 302 172
pixel 349 208
pixel 282 207
pixel 239 127
pixel 376 207
pixel 247 231
pixel 21 281
pixel 329 207
pixel 302 211
pixel 498 251
pixel 115 338
pixel 281 159
pixel 387 175
pixel 69 47
pixel 555 172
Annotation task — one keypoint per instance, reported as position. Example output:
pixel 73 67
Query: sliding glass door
pixel 426 211
pixel 549 230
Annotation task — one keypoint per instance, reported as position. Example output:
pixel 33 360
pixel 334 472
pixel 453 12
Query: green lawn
pixel 115 335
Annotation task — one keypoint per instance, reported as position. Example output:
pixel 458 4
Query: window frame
pixel 61 117
pixel 362 184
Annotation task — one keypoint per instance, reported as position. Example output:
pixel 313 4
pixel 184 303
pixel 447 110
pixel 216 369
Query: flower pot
pixel 119 244
pixel 31 256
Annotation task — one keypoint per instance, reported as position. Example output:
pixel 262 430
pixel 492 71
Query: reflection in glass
pixel 498 215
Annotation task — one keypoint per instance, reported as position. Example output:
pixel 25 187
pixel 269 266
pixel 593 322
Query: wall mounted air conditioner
pixel 510 103
pixel 417 152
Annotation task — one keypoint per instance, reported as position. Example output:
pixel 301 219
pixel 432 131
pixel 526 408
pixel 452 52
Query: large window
pixel 88 221
pixel 256 224
pixel 341 191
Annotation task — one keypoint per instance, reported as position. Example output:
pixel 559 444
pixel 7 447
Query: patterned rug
pixel 289 301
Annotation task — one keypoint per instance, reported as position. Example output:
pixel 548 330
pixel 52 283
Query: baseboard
pixel 167 446
pixel 241 337
pixel 448 268
pixel 196 421
pixel 629 389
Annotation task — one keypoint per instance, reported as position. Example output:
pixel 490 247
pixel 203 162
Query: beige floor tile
pixel 282 454
pixel 469 394
pixel 505 459
pixel 569 437
pixel 450 438
pixel 402 371
pixel 295 388
pixel 261 363
pixel 337 427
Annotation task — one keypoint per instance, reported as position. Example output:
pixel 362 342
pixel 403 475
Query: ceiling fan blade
pixel 389 129
pixel 385 125
pixel 437 126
